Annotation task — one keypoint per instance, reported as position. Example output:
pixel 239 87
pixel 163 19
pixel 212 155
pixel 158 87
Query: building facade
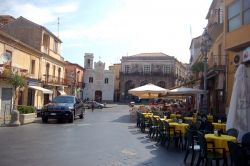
pixel 236 28
pixel 116 68
pixel 74 79
pixel 21 59
pixel 216 57
pixel 99 83
pixel 47 67
pixel 156 68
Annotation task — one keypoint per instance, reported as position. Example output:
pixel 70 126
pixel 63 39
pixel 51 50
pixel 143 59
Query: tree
pixel 18 82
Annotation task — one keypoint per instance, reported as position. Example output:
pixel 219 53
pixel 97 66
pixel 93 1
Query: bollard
pixel 14 119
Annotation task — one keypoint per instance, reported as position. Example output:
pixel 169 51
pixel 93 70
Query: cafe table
pixel 219 141
pixel 221 126
pixel 193 119
pixel 179 126
pixel 210 118
pixel 167 120
pixel 172 116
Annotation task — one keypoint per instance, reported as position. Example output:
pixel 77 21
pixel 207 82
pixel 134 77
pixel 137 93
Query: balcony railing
pixel 49 79
pixel 45 49
pixel 148 74
pixel 217 62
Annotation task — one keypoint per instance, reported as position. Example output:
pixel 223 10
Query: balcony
pixel 147 74
pixel 217 63
pixel 52 80
pixel 45 49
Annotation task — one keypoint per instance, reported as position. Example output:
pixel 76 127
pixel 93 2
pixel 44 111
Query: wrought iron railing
pixel 49 79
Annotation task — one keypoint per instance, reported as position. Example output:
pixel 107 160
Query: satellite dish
pixel 5 58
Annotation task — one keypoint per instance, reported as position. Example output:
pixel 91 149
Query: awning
pixel 62 92
pixel 45 91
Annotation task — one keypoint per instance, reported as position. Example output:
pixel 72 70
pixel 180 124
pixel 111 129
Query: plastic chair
pixel 171 134
pixel 209 154
pixel 192 145
pixel 233 132
pixel 237 154
pixel 246 140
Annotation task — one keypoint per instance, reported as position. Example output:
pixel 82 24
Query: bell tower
pixel 88 60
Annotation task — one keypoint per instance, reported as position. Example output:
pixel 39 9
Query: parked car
pixel 63 107
pixel 88 104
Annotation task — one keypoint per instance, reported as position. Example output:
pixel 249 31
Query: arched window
pixel 161 84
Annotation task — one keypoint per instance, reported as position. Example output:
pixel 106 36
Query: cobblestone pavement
pixel 105 137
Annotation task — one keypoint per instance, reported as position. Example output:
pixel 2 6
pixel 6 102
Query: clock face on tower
pixel 5 58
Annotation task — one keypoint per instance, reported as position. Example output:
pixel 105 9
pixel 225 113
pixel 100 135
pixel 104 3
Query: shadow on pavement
pixel 123 119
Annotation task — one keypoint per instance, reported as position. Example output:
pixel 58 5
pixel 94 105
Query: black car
pixel 63 107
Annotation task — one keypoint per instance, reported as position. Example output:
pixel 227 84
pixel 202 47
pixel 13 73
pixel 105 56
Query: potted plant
pixel 27 114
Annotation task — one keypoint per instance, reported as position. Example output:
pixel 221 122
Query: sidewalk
pixel 7 119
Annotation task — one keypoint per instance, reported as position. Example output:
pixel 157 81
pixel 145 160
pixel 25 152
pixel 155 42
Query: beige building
pixel 22 59
pixel 156 68
pixel 45 65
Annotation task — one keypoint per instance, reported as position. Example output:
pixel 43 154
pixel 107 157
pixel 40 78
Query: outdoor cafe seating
pixel 175 130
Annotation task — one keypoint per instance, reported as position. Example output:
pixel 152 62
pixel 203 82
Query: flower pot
pixel 27 118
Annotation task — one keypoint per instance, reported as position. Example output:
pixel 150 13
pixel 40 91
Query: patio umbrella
pixel 239 109
pixel 147 91
pixel 184 91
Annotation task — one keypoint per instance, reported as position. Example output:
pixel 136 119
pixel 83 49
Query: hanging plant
pixel 198 67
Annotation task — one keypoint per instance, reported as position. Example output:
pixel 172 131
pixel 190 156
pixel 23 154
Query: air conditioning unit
pixel 237 58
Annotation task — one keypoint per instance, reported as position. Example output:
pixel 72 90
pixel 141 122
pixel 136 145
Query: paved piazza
pixel 104 138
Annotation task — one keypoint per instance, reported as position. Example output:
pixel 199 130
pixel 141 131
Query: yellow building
pixel 21 59
pixel 216 57
pixel 237 38
pixel 44 65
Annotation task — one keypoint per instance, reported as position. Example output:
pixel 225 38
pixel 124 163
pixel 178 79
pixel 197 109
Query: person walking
pixel 92 105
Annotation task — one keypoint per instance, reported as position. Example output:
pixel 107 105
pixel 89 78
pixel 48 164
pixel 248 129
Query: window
pixel 246 12
pixel 106 80
pixel 127 69
pixel 54 70
pixel 161 84
pixel 32 66
pixel 55 46
pixel 59 74
pixel 146 69
pixel 166 69
pixel 238 14
pixel 90 79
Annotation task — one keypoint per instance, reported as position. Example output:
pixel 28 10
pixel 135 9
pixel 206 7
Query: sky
pixel 111 29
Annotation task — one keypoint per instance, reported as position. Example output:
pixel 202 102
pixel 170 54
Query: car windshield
pixel 63 99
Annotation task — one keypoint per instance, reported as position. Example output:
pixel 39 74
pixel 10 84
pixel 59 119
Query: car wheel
pixel 45 119
pixel 71 118
pixel 81 115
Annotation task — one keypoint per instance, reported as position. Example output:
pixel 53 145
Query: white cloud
pixel 41 14
pixel 150 25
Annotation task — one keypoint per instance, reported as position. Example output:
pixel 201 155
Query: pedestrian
pixel 92 105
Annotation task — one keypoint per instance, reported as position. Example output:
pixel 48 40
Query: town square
pixel 124 82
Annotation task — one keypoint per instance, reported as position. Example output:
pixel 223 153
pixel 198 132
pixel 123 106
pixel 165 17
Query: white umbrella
pixel 147 91
pixel 239 109
pixel 185 91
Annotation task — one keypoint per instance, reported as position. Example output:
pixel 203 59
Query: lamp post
pixel 205 46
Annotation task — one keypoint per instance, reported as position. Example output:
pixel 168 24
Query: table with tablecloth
pixel 219 141
pixel 221 126
pixel 179 126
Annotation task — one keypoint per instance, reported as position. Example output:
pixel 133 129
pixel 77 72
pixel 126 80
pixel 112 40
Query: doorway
pixel 6 100
pixel 98 96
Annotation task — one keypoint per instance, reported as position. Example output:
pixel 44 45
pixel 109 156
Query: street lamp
pixel 205 46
